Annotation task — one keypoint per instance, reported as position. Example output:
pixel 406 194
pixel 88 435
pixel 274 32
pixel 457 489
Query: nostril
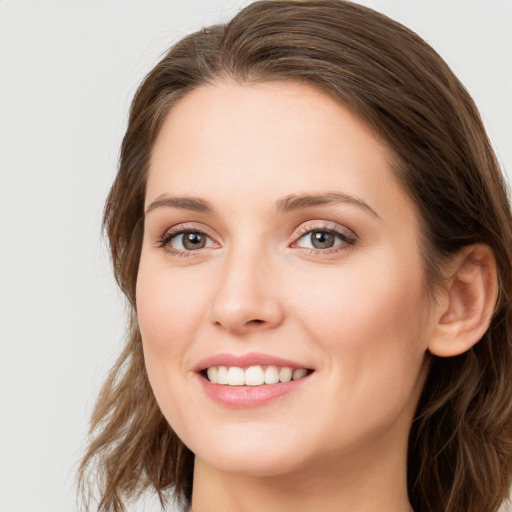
pixel 256 321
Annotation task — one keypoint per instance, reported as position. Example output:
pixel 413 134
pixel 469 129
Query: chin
pixel 251 452
pixel 255 465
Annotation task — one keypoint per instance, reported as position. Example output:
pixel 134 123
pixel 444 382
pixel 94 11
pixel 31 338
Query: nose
pixel 246 298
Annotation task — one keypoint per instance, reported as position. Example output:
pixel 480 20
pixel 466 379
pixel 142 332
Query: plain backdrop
pixel 68 70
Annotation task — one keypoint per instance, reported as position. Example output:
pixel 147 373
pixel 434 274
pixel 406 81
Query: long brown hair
pixel 460 447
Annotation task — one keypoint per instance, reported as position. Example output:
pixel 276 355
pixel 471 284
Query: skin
pixel 356 313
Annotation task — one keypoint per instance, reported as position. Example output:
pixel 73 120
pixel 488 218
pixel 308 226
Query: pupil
pixel 194 240
pixel 322 239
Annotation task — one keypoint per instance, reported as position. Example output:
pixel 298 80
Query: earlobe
pixel 470 294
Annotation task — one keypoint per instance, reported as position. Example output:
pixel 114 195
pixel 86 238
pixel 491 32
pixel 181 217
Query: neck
pixel 371 482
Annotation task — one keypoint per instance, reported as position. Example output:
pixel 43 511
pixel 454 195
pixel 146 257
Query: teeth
pixel 271 375
pixel 213 374
pixel 299 373
pixel 236 376
pixel 254 375
pixel 222 375
pixel 285 374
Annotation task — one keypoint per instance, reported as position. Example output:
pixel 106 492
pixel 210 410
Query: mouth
pixel 256 375
pixel 250 380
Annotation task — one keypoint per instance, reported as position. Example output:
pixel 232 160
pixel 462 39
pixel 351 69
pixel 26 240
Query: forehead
pixel 280 137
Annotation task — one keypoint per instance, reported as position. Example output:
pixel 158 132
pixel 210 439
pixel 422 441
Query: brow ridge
pixel 181 202
pixel 287 204
pixel 303 201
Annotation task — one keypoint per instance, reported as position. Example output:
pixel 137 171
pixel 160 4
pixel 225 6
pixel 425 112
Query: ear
pixel 465 309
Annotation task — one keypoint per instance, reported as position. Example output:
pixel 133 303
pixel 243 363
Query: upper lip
pixel 246 360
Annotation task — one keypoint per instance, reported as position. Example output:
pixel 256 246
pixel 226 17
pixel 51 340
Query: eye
pixel 323 239
pixel 182 240
pixel 189 240
pixel 320 239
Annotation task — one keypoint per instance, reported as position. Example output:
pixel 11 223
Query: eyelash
pixel 164 241
pixel 348 239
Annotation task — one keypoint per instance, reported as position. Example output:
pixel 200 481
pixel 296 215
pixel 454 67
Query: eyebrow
pixel 184 203
pixel 303 201
pixel 289 203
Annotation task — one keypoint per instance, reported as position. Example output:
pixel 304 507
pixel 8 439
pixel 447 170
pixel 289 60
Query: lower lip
pixel 249 396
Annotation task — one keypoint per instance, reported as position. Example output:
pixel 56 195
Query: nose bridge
pixel 245 296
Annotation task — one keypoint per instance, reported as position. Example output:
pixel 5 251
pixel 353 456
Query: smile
pixel 250 380
pixel 253 375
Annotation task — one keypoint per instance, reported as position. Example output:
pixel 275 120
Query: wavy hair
pixel 460 446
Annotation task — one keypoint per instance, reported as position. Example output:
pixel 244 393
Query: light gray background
pixel 68 70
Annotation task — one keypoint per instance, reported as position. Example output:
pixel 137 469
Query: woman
pixel 315 240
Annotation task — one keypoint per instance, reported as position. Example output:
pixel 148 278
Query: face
pixel 278 245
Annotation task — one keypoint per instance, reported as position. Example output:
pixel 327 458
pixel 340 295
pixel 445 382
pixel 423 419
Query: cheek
pixel 370 329
pixel 169 311
pixel 361 299
pixel 167 307
pixel 370 321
